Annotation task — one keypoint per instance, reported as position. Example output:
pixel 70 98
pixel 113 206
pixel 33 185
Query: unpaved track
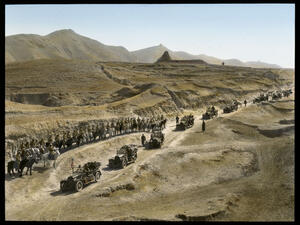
pixel 38 197
pixel 36 189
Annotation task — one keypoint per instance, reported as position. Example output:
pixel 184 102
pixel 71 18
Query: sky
pixel 248 32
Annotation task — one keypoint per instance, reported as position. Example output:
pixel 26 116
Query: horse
pixel 47 157
pixel 79 140
pixel 28 162
pixel 12 166
pixel 69 142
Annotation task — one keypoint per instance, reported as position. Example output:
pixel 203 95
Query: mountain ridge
pixel 68 44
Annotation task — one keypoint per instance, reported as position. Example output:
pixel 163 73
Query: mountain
pixel 69 45
pixel 165 57
pixel 150 55
pixel 258 64
pixel 61 44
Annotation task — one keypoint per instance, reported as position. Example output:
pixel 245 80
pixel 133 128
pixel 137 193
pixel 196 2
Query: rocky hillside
pixel 67 44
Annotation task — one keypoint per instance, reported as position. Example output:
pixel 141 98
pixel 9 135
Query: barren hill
pixel 61 44
pixel 240 169
pixel 100 88
pixel 69 45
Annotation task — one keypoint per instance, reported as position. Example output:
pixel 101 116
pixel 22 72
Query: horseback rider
pixel 32 143
pixel 143 139
pixel 27 144
pixel 51 151
pixel 50 139
pixel 57 138
pixel 42 143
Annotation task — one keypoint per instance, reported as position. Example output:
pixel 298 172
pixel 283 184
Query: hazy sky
pixel 249 32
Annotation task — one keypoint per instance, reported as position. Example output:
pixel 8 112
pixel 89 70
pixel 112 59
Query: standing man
pixel 245 102
pixel 72 165
pixel 143 138
pixel 177 119
pixel 203 126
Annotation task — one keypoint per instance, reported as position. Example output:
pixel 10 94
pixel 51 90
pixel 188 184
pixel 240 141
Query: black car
pixel 125 155
pixel 89 173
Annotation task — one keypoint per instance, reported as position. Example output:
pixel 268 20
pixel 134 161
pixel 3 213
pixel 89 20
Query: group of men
pixel 85 134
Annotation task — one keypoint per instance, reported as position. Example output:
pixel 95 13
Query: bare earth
pixel 240 169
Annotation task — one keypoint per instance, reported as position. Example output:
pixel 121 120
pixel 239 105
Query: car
pixel 210 113
pixel 185 123
pixel 156 140
pixel 125 155
pixel 89 173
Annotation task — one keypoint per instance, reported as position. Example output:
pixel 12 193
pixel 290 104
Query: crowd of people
pixel 84 134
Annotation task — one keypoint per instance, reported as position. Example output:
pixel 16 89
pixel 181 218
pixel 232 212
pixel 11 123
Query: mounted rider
pixel 57 139
pixel 32 143
pixel 51 151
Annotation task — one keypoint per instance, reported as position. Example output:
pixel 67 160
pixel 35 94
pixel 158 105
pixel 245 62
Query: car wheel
pixel 79 186
pixel 62 186
pixel 97 176
pixel 124 163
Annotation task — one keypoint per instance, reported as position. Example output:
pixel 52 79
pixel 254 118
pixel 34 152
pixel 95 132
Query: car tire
pixel 97 176
pixel 124 164
pixel 63 186
pixel 78 186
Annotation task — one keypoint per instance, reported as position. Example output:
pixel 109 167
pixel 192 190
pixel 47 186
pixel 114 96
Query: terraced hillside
pixel 240 169
pixel 62 90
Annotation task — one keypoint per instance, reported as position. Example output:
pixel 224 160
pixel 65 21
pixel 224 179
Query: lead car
pixel 89 173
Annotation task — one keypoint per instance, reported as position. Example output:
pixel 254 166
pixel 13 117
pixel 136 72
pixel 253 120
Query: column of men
pixel 85 134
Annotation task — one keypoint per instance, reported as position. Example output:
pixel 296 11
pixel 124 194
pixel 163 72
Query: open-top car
pixel 185 123
pixel 156 140
pixel 90 172
pixel 125 155
pixel 210 113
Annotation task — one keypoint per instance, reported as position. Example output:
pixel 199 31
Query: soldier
pixel 203 126
pixel 151 137
pixel 23 153
pixel 22 146
pixel 72 164
pixel 177 119
pixel 27 144
pixel 50 139
pixel 51 151
pixel 18 160
pixel 245 102
pixel 32 143
pixel 42 143
pixel 143 139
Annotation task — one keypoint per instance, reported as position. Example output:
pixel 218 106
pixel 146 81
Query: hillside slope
pixel 61 44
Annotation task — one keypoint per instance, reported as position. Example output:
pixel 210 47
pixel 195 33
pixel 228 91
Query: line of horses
pixel 39 153
pixel 31 156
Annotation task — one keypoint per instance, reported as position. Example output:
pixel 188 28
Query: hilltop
pixel 67 44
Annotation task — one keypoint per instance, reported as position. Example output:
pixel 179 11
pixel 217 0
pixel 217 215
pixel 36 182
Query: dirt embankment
pixel 231 172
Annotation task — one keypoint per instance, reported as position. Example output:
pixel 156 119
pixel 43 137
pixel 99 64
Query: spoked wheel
pixel 124 163
pixel 97 176
pixel 62 186
pixel 79 186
